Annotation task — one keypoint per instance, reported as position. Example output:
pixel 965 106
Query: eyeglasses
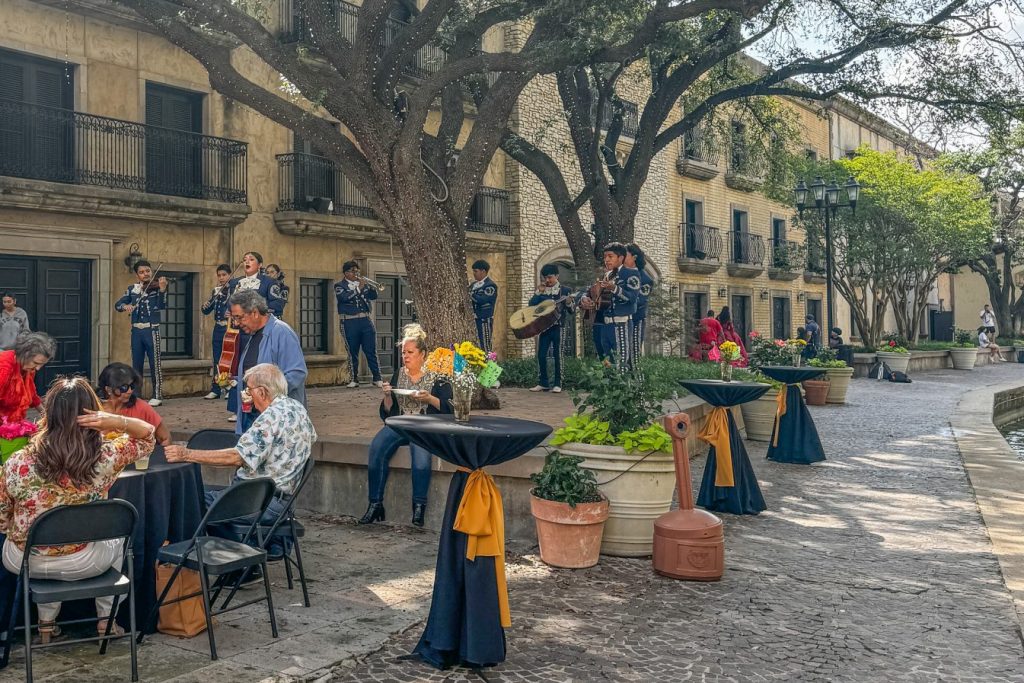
pixel 124 388
pixel 237 318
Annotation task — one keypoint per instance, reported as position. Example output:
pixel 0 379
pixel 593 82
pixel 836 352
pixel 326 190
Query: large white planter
pixel 839 379
pixel 897 362
pixel 636 498
pixel 964 358
pixel 759 416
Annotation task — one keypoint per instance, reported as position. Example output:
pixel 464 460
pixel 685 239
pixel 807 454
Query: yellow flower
pixel 473 354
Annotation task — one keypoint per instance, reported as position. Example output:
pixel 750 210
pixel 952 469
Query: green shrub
pixel 826 358
pixel 963 338
pixel 564 481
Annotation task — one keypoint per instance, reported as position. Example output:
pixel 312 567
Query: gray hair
pixel 33 344
pixel 249 300
pixel 267 375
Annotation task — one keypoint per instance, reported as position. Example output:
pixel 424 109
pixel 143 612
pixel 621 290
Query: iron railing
pixel 746 160
pixel 786 255
pixel 746 248
pixel 305 178
pixel 815 258
pixel 490 212
pixel 630 116
pixel 700 145
pixel 702 241
pixel 66 146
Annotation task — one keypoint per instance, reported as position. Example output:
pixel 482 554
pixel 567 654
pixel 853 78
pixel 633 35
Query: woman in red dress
pixel 730 334
pixel 18 369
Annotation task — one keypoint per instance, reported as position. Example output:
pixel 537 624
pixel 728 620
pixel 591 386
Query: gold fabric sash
pixel 780 410
pixel 481 516
pixel 716 433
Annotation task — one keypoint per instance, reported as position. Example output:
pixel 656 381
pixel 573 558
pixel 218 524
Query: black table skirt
pixel 744 496
pixel 798 443
pixel 170 503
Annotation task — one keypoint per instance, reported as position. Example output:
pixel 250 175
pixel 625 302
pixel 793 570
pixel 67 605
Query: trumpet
pixel 372 283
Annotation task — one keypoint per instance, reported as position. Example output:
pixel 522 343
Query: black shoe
pixel 418 510
pixel 374 513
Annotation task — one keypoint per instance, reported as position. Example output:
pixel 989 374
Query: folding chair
pixel 213 439
pixel 285 530
pixel 102 520
pixel 211 555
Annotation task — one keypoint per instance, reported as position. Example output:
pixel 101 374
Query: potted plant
pixel 615 432
pixel 838 373
pixel 569 512
pixel 894 353
pixel 759 415
pixel 964 352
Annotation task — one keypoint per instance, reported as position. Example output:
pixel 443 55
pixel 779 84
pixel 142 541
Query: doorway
pixel 741 316
pixel 393 311
pixel 782 325
pixel 55 295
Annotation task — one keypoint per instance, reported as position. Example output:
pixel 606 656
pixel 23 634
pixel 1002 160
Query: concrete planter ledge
pixel 927 360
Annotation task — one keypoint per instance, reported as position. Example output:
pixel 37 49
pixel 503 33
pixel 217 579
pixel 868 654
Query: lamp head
pixel 852 191
pixel 801 195
pixel 818 191
pixel 832 195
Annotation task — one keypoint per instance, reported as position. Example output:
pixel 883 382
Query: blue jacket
pixel 483 294
pixel 280 346
pixel 646 284
pixel 217 304
pixel 354 301
pixel 625 294
pixel 554 294
pixel 147 306
pixel 268 288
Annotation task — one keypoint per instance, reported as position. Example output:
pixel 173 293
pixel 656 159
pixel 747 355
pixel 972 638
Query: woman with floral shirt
pixel 69 461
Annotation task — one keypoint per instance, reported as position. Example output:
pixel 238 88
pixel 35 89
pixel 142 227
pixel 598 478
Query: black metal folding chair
pixel 211 555
pixel 102 520
pixel 285 530
pixel 213 439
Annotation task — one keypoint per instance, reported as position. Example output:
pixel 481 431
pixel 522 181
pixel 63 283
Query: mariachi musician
pixel 621 286
pixel 217 304
pixel 143 301
pixel 636 259
pixel 355 296
pixel 551 339
pixel 484 293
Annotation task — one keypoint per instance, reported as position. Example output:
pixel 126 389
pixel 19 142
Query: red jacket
pixel 17 388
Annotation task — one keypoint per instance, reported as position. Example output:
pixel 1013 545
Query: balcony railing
pixel 745 248
pixel 702 241
pixel 787 255
pixel 701 146
pixel 490 212
pixel 816 259
pixel 303 179
pixel 65 146
pixel 745 160
pixel 630 116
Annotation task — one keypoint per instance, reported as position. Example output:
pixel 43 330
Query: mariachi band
pixel 616 306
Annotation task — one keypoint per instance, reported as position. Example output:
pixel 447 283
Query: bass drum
pixel 528 322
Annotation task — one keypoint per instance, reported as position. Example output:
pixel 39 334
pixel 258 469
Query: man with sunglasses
pixel 267 340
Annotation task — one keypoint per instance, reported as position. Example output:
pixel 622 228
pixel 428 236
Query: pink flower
pixel 892 343
pixel 754 334
pixel 14 430
pixel 492 356
pixel 780 343
pixel 714 354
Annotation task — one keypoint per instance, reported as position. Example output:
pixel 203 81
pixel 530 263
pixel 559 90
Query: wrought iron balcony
pixel 702 248
pixel 747 167
pixel 630 116
pixel 66 146
pixel 787 259
pixel 306 180
pixel 698 155
pixel 746 249
pixel 814 273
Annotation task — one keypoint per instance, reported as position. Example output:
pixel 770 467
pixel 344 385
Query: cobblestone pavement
pixel 872 566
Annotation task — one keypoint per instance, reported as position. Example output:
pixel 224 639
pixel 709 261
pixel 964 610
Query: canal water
pixel 1014 435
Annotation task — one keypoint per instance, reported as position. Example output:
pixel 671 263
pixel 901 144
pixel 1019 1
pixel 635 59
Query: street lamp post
pixel 826 202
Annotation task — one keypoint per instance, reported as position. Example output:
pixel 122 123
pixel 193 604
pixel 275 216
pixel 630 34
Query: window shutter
pixel 12 80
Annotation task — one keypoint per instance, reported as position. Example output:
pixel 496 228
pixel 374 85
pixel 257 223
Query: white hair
pixel 269 376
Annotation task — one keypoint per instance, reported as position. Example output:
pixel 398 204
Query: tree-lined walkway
pixel 873 566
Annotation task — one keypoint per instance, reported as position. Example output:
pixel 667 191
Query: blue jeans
pixel 359 334
pixel 382 449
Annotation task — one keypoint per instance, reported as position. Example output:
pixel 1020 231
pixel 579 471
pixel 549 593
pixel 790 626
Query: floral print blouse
pixel 278 444
pixel 24 494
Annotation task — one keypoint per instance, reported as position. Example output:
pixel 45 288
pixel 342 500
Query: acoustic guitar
pixel 528 322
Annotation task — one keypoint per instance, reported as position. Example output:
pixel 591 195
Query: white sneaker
pixel 210 396
pixel 556 390
pixel 497 385
pixel 539 388
pixel 232 418
pixel 155 402
pixel 353 385
pixel 379 383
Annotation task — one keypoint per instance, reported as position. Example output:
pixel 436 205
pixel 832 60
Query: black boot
pixel 374 513
pixel 418 510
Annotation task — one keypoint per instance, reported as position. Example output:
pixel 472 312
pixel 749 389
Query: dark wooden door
pixel 814 308
pixel 173 152
pixel 695 305
pixel 741 316
pixel 781 321
pixel 393 310
pixel 55 294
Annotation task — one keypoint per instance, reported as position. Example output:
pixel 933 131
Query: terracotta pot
pixel 817 391
pixel 839 383
pixel 759 416
pixel 569 537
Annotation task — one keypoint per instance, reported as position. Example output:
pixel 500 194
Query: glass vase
pixel 726 370
pixel 462 398
pixel 797 359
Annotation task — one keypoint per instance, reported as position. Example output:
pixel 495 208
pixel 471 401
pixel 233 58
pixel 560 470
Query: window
pixel 778 229
pixel 174 160
pixel 176 327
pixel 810 155
pixel 313 315
pixel 781 321
pixel 694 235
pixel 741 319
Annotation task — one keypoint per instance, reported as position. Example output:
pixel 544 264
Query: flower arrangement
pixel 465 365
pixel 892 347
pixel 725 354
pixel 766 351
pixel 796 347
pixel 14 436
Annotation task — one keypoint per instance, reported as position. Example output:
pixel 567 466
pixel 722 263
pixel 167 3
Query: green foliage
pixel 896 337
pixel 764 351
pixel 564 481
pixel 963 338
pixel 826 358
pixel 651 438
pixel 583 429
pixel 620 399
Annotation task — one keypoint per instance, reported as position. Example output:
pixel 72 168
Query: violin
pixel 153 283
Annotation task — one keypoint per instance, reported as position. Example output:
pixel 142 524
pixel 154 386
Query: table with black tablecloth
pixel 729 483
pixel 469 607
pixel 794 437
pixel 170 503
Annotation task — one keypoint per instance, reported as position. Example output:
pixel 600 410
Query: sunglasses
pixel 124 388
